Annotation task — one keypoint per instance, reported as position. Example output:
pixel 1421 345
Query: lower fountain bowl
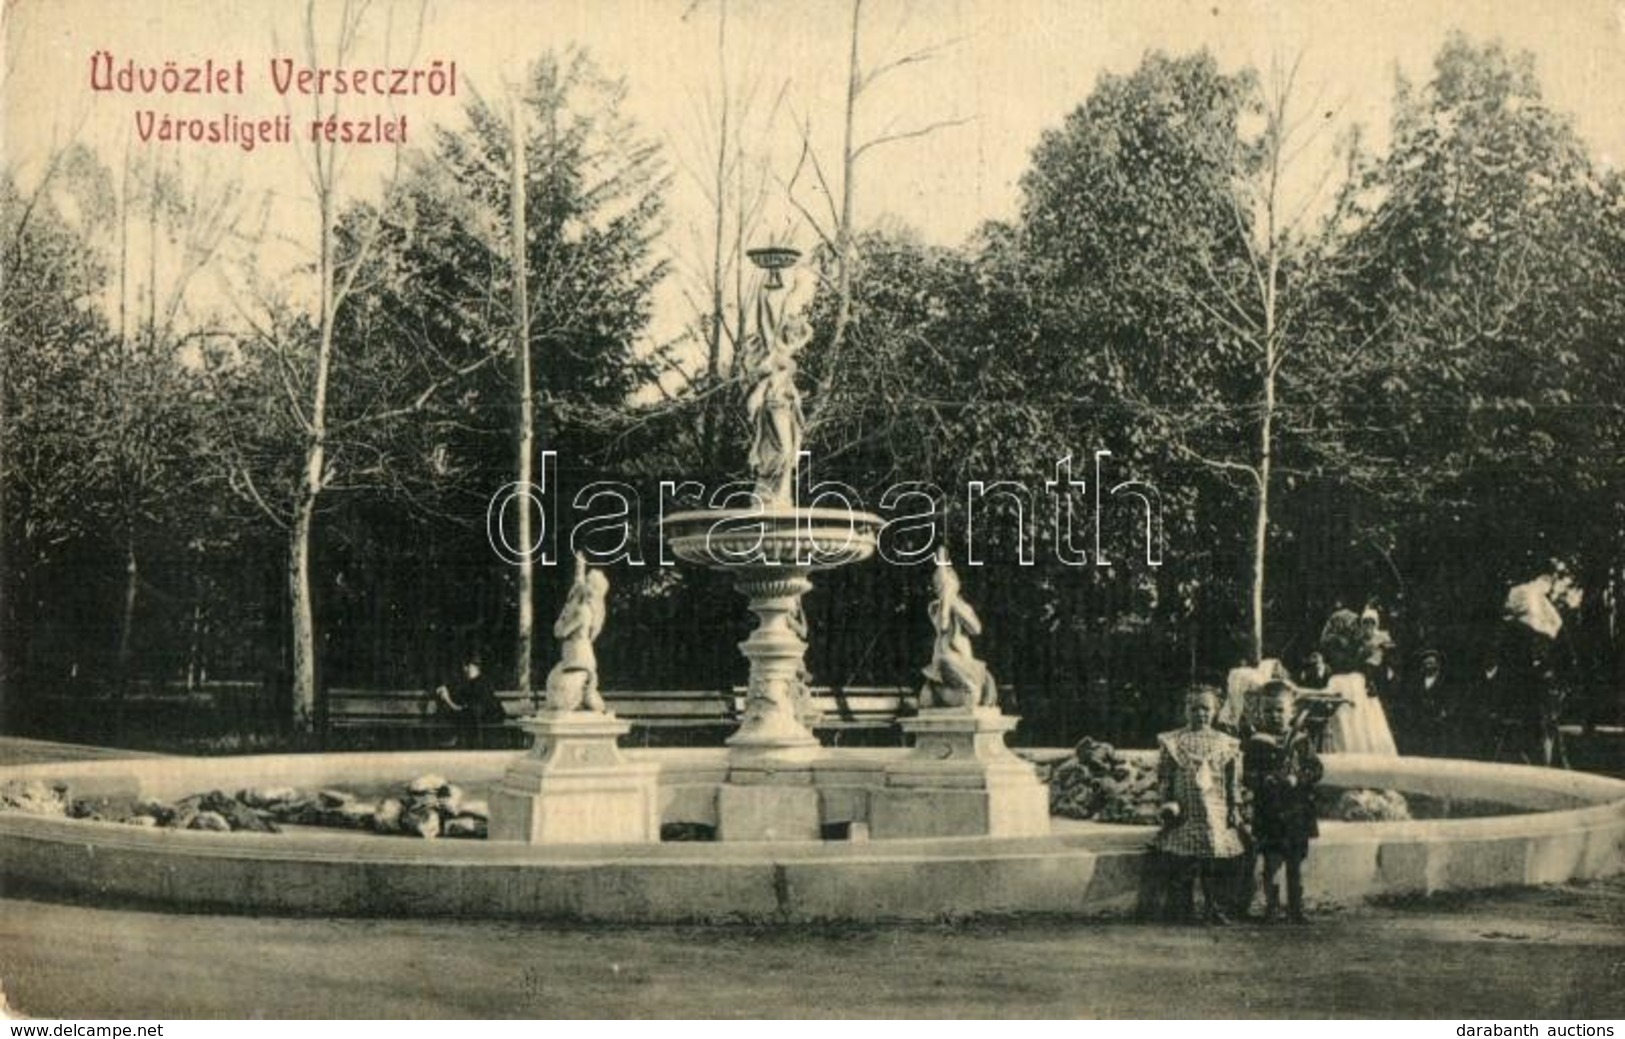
pixel 1571 826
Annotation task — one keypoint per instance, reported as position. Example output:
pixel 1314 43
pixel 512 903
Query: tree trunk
pixel 526 436
pixel 843 234
pixel 313 477
pixel 741 331
pixel 303 616
pixel 152 257
pixel 126 631
pixel 1261 526
pixel 1266 455
pixel 195 673
pixel 124 251
pixel 710 416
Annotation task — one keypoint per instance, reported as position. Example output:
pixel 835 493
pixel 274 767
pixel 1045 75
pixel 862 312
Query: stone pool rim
pixel 1574 830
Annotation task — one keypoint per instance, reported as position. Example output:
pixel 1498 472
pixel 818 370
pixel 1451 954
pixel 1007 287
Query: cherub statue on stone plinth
pixel 572 685
pixel 955 677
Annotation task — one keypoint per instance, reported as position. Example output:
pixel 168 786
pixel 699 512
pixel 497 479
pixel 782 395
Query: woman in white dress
pixel 1361 727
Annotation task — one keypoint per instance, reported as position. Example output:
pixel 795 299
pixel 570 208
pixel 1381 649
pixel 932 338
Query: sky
pixel 1000 71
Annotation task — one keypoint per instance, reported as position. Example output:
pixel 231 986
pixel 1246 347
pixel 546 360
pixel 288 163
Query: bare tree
pixel 304 374
pixel 733 179
pixel 1268 308
pixel 526 435
pixel 836 229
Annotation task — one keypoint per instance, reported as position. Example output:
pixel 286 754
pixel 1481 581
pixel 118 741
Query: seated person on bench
pixel 474 704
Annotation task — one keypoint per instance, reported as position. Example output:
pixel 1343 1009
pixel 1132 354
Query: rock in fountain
pixel 575 786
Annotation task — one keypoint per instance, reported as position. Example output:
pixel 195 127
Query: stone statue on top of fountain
pixel 572 685
pixel 955 677
pixel 773 402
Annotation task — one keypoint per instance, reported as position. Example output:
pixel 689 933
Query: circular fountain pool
pixel 1568 826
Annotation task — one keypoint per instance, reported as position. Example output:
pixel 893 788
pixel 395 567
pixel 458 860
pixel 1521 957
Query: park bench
pixel 408 716
pixel 842 710
pixel 407 713
pixel 856 709
pixel 665 712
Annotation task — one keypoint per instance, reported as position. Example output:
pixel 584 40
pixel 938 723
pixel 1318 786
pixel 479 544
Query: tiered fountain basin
pixel 772 536
pixel 1565 826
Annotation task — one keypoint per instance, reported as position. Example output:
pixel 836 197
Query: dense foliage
pixel 1410 393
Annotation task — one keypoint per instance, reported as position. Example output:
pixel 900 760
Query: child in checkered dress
pixel 1197 771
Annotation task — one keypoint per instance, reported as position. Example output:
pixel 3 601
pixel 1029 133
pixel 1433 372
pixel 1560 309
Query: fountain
pixel 772 546
pixel 1570 825
pixel 959 823
pixel 961 780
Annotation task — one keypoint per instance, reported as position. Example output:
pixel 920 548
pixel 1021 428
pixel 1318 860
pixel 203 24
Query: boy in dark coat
pixel 1280 770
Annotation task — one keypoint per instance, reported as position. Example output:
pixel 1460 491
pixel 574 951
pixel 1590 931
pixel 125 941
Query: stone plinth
pixel 575 786
pixel 960 780
pixel 769 803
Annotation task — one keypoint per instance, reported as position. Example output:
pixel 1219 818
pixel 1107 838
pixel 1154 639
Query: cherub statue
pixel 572 685
pixel 774 403
pixel 955 678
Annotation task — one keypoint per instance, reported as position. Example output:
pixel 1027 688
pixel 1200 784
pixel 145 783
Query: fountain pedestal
pixel 575 786
pixel 960 780
pixel 770 735
pixel 770 794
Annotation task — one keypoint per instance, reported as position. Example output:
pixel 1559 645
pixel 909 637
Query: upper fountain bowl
pixel 773 536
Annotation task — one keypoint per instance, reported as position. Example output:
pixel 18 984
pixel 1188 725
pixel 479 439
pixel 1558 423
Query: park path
pixel 1547 953
pixel 14 750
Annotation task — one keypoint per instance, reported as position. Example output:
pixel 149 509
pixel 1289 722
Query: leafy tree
pixel 440 288
pixel 948 379
pixel 1184 250
pixel 1137 245
pixel 48 324
pixel 140 421
pixel 103 426
pixel 1495 310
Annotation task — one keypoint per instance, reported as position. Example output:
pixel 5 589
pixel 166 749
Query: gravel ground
pixel 1554 952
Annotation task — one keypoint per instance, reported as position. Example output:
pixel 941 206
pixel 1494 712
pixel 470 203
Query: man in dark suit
pixel 1429 710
